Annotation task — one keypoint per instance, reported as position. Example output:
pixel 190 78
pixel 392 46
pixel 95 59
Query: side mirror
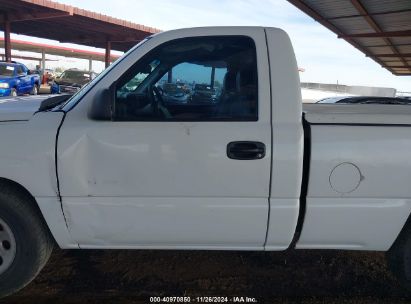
pixel 102 105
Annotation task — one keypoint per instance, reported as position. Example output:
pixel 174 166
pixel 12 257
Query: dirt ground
pixel 91 276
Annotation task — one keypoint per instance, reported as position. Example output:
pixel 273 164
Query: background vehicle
pixel 366 100
pixel 405 97
pixel 16 79
pixel 174 93
pixel 70 81
pixel 115 166
pixel 203 93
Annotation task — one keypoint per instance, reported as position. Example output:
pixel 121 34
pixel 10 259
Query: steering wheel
pixel 158 96
pixel 157 102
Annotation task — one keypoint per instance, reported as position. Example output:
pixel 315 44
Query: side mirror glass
pixel 102 106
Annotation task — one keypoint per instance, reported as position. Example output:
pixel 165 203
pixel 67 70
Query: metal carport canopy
pixel 379 29
pixel 28 46
pixel 65 23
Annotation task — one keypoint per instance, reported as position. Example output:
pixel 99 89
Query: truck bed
pixel 358 114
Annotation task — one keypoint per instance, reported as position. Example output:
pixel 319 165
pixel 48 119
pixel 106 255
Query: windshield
pixel 6 70
pixel 71 102
pixel 76 76
pixel 141 75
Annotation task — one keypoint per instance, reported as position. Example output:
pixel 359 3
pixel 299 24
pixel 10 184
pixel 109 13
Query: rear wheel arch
pixel 399 255
pixel 403 234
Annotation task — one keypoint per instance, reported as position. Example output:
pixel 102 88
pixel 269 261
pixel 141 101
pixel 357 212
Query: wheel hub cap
pixel 7 246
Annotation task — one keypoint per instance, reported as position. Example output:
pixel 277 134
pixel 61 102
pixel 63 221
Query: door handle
pixel 246 150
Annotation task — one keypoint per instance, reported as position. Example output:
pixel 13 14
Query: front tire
pixel 13 92
pixel 25 242
pixel 34 90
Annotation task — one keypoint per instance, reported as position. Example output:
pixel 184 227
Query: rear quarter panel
pixel 359 194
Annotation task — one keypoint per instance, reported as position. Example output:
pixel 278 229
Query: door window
pixel 192 79
pixel 19 71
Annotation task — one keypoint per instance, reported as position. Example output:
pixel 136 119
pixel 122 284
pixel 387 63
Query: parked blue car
pixel 17 79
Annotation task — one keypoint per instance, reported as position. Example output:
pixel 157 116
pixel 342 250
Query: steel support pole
pixel 170 76
pixel 43 59
pixel 212 77
pixel 7 41
pixel 107 55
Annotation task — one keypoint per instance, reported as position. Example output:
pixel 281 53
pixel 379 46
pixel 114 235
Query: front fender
pixel 14 83
pixel 27 152
pixel 35 79
pixel 27 157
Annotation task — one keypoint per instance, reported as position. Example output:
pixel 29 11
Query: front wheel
pixel 34 90
pixel 13 92
pixel 25 242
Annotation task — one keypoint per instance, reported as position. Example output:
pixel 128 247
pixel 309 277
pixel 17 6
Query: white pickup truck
pixel 227 158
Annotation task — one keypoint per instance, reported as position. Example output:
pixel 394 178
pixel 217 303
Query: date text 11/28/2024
pixel 208 299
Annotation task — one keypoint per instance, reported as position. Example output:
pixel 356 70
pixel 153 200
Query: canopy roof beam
pixel 35 16
pixel 406 33
pixel 369 14
pixel 390 55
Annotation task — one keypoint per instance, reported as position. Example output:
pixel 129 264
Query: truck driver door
pixel 185 160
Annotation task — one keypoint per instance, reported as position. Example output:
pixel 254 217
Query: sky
pixel 324 57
